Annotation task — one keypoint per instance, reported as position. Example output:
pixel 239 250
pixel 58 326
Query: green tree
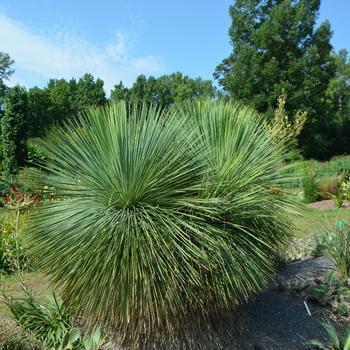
pixel 338 93
pixel 5 72
pixel 278 48
pixel 6 63
pixel 40 112
pixel 89 92
pixel 13 130
pixel 165 90
pixel 63 96
pixel 119 93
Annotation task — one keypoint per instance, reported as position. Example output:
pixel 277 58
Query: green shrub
pixel 165 216
pixel 310 189
pixel 49 323
pixel 337 166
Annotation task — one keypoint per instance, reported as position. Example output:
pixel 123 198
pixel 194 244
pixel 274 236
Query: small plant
pixel 321 242
pixel 51 323
pixel 331 291
pixel 345 186
pixel 335 342
pixel 338 198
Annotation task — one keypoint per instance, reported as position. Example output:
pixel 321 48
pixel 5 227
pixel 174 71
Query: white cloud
pixel 64 55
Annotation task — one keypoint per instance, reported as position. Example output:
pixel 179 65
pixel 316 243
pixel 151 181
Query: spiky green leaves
pixel 162 215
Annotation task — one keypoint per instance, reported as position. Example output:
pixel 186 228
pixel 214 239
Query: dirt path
pixel 327 204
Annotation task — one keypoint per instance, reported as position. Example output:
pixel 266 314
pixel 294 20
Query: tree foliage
pixel 5 72
pixel 165 90
pixel 277 47
pixel 338 93
pixel 167 215
pixel 5 66
pixel 13 130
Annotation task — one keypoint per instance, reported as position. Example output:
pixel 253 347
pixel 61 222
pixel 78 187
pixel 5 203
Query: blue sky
pixel 120 39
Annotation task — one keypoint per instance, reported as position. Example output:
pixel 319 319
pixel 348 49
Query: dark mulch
pixel 278 319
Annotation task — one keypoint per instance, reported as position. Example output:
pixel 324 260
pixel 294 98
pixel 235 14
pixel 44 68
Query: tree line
pixel 27 114
pixel 277 48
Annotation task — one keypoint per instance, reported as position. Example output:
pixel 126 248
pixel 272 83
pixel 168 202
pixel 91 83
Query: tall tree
pixel 120 92
pixel 338 93
pixel 13 130
pixel 90 92
pixel 41 112
pixel 6 71
pixel 278 48
pixel 6 63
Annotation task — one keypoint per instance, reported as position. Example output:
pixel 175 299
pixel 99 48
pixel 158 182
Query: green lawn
pixel 3 213
pixel 11 286
pixel 315 220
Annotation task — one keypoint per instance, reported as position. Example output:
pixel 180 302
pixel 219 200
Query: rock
pixel 300 275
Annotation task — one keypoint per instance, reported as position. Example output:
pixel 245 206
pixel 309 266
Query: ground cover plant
pixel 50 323
pixel 176 214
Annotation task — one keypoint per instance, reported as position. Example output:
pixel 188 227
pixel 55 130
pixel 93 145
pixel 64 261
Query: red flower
pixel 36 199
pixel 14 187
pixel 6 199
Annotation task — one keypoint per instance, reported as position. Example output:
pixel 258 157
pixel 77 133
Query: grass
pixel 3 213
pixel 315 220
pixel 10 285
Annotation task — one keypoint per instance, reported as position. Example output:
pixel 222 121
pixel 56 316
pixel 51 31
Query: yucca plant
pixel 338 247
pixel 161 217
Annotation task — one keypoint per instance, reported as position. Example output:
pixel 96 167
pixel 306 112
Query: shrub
pixel 337 166
pixel 310 189
pixel 328 186
pixel 166 216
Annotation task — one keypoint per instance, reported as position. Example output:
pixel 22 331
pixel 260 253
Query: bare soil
pixel 327 204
